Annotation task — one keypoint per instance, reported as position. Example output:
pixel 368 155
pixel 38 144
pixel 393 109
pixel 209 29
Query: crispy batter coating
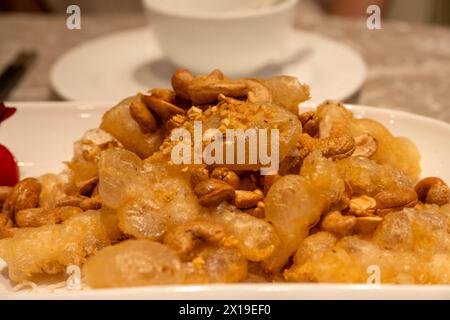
pixel 49 249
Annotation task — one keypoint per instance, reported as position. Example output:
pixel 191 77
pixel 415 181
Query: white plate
pixel 114 66
pixel 41 135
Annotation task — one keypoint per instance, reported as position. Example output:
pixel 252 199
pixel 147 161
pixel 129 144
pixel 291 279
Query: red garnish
pixel 5 112
pixel 9 171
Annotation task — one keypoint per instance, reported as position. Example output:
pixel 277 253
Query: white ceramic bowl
pixel 236 36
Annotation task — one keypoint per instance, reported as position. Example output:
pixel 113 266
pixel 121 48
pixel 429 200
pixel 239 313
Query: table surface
pixel 408 64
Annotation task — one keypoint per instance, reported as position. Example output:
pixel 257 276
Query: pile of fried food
pixel 346 196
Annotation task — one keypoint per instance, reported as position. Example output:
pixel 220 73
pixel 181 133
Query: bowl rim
pixel 282 5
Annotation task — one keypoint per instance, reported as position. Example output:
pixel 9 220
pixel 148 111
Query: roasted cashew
pixel 36 217
pixel 86 188
pixel 144 117
pixel 310 123
pixel 337 223
pixel 180 83
pixel 433 191
pixel 257 92
pixel 247 199
pixel 184 238
pixel 207 89
pixel 80 201
pixel 258 211
pixel 388 201
pixel 226 175
pixel 366 146
pixel 339 145
pixel 93 203
pixel 366 225
pixel 362 206
pixel 164 109
pixel 212 192
pixel 198 175
pixel 24 195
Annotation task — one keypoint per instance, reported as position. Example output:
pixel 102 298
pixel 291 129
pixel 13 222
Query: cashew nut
pixel 180 83
pixel 198 175
pixel 337 223
pixel 184 238
pixel 93 203
pixel 310 123
pixel 258 211
pixel 433 190
pixel 363 206
pixel 247 199
pixel 86 188
pixel 339 145
pixel 388 201
pixel 226 175
pixel 212 192
pixel 80 201
pixel 366 225
pixel 164 109
pixel 138 110
pixel 24 195
pixel 207 89
pixel 257 92
pixel 36 217
pixel 366 146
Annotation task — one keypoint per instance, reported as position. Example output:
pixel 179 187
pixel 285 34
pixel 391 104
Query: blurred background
pixel 407 61
pixel 427 11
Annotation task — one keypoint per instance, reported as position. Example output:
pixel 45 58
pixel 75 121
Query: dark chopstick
pixel 12 74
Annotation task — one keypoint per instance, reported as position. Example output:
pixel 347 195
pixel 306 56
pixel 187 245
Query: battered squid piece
pixel 52 190
pixel 240 115
pixel 150 196
pixel 120 124
pixel 287 92
pixel 216 265
pixel 50 248
pixel 410 247
pixel 368 177
pixel 255 238
pixel 295 203
pixel 397 152
pixel 133 263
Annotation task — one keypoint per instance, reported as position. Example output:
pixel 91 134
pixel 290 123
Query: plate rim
pixel 358 60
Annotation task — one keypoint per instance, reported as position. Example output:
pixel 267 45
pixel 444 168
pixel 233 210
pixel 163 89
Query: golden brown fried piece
pixel 409 247
pixel 49 249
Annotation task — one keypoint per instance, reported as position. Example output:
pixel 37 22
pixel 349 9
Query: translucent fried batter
pixel 49 249
pixel 119 123
pixel 287 92
pixel 133 263
pixel 256 239
pixel 397 152
pixel 295 203
pixel 368 177
pixel 242 116
pixel 410 247
pixel 216 265
pixel 150 196
pixel 53 190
